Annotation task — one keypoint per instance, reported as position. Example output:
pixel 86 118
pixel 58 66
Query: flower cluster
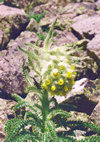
pixel 58 77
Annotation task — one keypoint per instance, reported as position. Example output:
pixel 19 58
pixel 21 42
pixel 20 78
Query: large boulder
pixel 95 116
pixel 87 27
pixel 24 3
pixel 11 60
pixel 12 22
pixel 64 14
pixel 93 48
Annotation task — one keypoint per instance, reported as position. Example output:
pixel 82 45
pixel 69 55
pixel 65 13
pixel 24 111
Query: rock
pixel 5 111
pixel 81 29
pixel 95 116
pixel 24 3
pixel 64 14
pixel 2 104
pixel 93 48
pixel 97 5
pixel 11 60
pixel 78 98
pixel 64 37
pixel 12 22
pixel 33 26
pixel 79 116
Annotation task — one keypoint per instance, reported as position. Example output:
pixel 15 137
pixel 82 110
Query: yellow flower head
pixel 55 73
pixel 73 67
pixel 60 81
pixel 53 87
pixel 69 74
pixel 44 85
pixel 62 67
pixel 48 81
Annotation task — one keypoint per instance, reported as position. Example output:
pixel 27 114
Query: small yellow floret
pixel 55 73
pixel 44 85
pixel 53 87
pixel 60 81
pixel 48 81
pixel 73 67
pixel 65 88
pixel 69 74
pixel 62 67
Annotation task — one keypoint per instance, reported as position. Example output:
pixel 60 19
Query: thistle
pixel 53 73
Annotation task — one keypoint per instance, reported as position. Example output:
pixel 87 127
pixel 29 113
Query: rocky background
pixel 78 24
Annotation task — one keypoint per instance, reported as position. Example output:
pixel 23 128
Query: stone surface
pixel 12 22
pixel 24 3
pixel 64 37
pixel 87 27
pixel 11 60
pixel 5 113
pixel 93 48
pixel 95 116
pixel 33 26
pixel 64 14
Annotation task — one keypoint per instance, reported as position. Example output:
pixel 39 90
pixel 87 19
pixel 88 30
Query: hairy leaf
pixel 17 128
pixel 49 36
pixel 51 127
pixel 58 112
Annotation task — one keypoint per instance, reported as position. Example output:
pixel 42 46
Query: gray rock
pixel 64 37
pixel 93 48
pixel 95 116
pixel 64 14
pixel 33 26
pixel 87 27
pixel 12 22
pixel 24 3
pixel 11 60
pixel 5 112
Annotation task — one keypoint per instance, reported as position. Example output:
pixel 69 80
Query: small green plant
pixel 55 73
pixel 35 16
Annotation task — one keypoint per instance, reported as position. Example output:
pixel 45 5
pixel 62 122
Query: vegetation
pixel 35 16
pixel 53 73
pixel 1 0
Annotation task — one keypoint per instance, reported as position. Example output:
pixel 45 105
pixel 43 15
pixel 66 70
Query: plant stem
pixel 45 108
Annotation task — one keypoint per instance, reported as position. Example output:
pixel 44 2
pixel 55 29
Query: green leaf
pixel 10 123
pixel 45 137
pixel 17 97
pixel 83 125
pixel 66 139
pixel 27 77
pixel 33 89
pixel 25 51
pixel 49 36
pixel 16 129
pixel 23 104
pixel 23 136
pixel 32 65
pixel 32 56
pixel 51 127
pixel 91 139
pixel 36 117
pixel 58 112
